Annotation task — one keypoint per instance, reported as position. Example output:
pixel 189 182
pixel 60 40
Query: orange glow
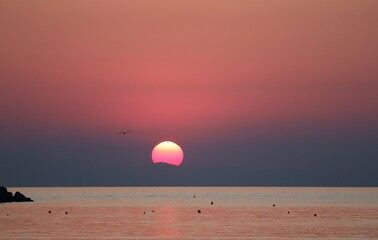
pixel 218 67
pixel 167 152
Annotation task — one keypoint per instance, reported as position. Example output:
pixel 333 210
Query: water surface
pixel 172 213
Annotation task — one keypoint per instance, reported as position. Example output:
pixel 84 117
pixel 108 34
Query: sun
pixel 167 152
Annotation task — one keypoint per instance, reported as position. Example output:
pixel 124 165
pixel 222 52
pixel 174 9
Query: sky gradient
pixel 255 92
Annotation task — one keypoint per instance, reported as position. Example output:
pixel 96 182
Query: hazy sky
pixel 255 92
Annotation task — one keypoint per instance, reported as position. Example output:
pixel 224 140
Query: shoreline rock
pixel 6 196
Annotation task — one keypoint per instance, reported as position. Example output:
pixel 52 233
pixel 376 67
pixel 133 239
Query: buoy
pixel 315 215
pixel 288 212
pixel 199 211
pixel 49 211
pixel 274 205
pixel 153 210
pixel 66 213
pixel 144 212
pixel 212 203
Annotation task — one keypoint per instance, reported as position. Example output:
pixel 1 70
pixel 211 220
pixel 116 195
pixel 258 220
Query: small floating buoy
pixel 315 215
pixel 199 211
pixel 194 196
pixel 212 203
pixel 288 212
pixel 66 213
pixel 7 214
pixel 144 212
pixel 274 205
pixel 49 211
pixel 153 210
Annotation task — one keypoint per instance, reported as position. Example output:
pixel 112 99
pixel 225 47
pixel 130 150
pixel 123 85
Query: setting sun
pixel 167 152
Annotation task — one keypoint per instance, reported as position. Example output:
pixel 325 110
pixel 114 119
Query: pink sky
pixel 180 68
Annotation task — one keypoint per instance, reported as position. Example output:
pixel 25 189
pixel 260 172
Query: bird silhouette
pixel 124 132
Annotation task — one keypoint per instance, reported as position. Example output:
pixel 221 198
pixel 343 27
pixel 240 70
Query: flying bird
pixel 124 132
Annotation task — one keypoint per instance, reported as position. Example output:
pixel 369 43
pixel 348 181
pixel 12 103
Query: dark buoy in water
pixel 144 212
pixel 199 211
pixel 194 196
pixel 7 214
pixel 274 205
pixel 212 203
pixel 288 212
pixel 153 210
pixel 66 213
pixel 49 211
pixel 315 215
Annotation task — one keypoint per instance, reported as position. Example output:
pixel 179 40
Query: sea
pixel 192 213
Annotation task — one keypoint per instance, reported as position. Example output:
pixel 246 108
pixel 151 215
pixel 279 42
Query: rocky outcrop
pixel 6 196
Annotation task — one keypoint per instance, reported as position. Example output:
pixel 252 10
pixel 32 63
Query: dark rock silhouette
pixel 6 196
pixel 19 197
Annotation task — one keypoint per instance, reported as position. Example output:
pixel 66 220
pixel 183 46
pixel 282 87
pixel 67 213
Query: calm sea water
pixel 172 213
